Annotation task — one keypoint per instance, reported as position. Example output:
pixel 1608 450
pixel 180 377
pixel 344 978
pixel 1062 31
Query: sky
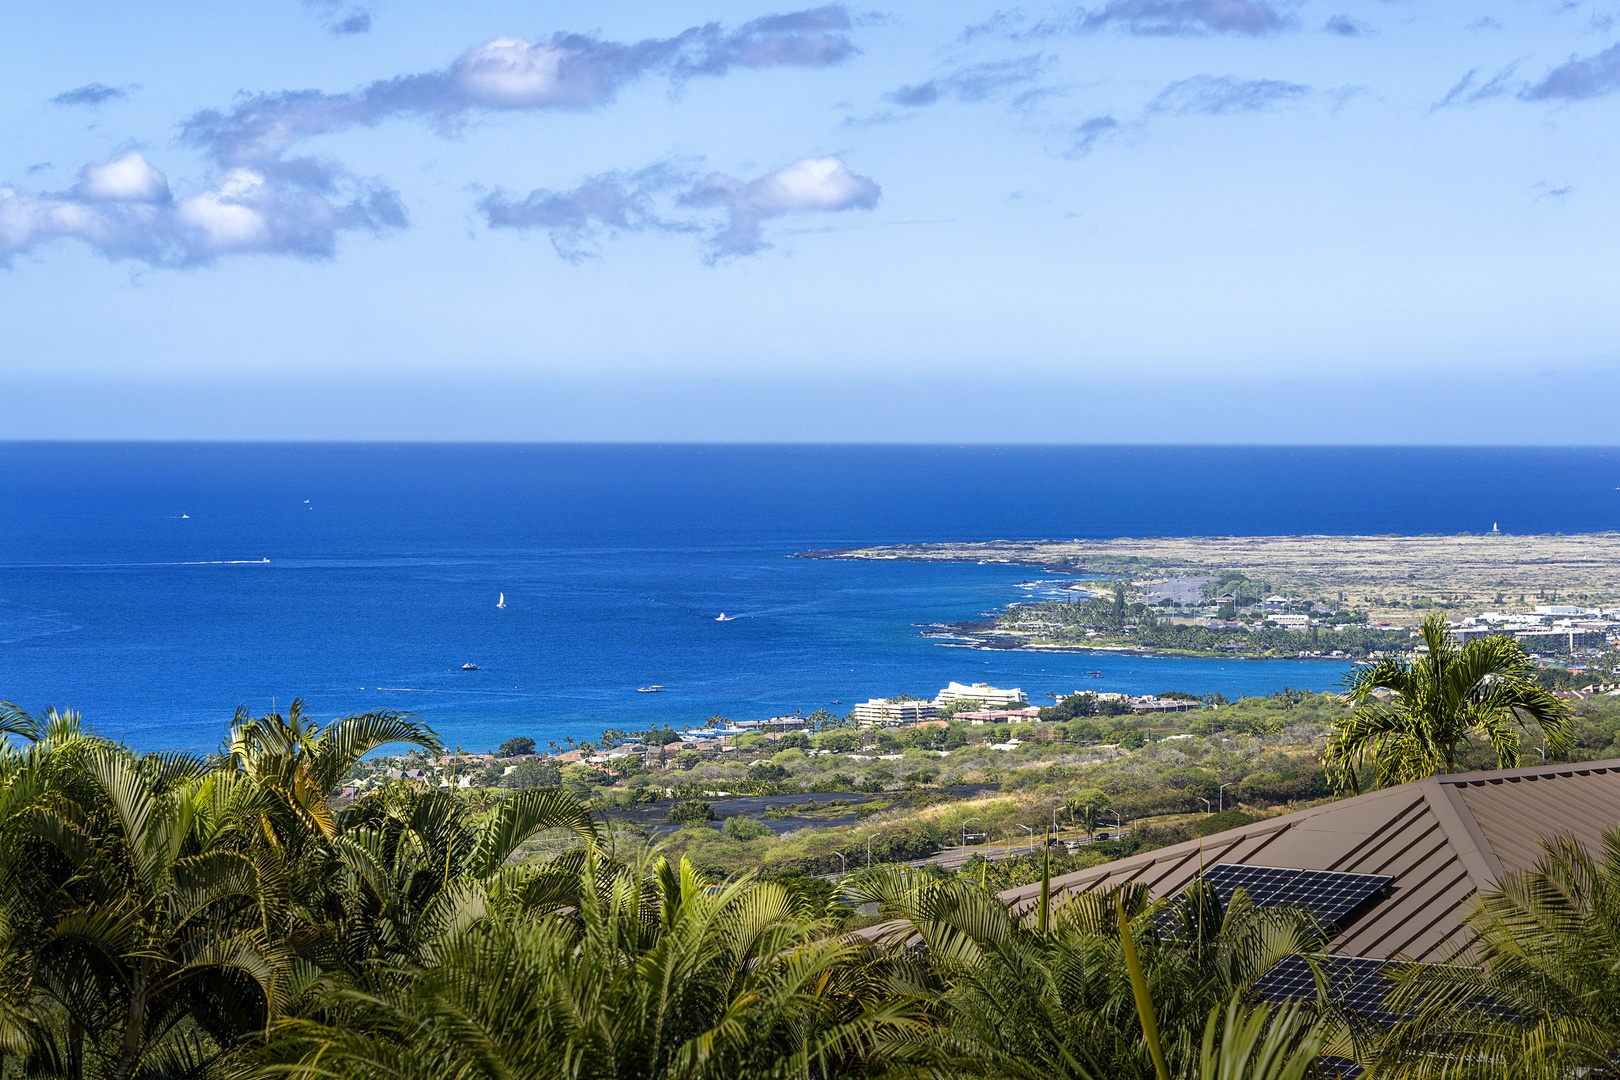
pixel 1255 221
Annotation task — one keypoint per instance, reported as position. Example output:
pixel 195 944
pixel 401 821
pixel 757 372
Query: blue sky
pixel 1123 220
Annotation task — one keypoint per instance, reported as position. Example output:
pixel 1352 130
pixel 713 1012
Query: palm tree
pixel 1485 688
pixel 1539 997
pixel 1088 807
pixel 1261 1043
pixel 418 865
pixel 150 943
pixel 652 975
pixel 1047 994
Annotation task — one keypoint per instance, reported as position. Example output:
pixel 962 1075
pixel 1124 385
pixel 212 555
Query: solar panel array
pixel 1354 982
pixel 1330 895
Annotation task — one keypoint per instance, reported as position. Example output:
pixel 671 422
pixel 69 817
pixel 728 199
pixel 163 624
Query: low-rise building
pixel 998 716
pixel 893 712
pixel 775 723
pixel 1156 704
pixel 1290 622
pixel 983 693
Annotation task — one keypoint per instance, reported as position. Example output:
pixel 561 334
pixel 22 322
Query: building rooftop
pixel 1439 841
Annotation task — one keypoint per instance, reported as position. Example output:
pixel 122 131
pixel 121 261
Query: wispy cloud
pixel 357 21
pixel 123 208
pixel 1469 90
pixel 1175 18
pixel 563 72
pixel 1579 78
pixel 1220 95
pixel 1085 135
pixel 625 202
pixel 258 197
pixel 974 83
pixel 1347 26
pixel 91 94
pixel 613 202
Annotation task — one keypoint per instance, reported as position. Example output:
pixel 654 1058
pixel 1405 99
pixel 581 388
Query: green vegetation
pixel 1485 688
pixel 1110 622
pixel 164 917
pixel 533 774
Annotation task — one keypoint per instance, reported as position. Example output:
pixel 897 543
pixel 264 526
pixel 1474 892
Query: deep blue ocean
pixel 133 585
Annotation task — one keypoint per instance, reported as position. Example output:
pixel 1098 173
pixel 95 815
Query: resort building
pixel 983 693
pixel 1557 641
pixel 887 712
pixel 1290 622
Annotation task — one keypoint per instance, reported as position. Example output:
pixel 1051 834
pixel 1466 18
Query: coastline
pixel 1394 578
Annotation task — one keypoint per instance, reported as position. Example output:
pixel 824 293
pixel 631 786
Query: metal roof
pixel 1441 840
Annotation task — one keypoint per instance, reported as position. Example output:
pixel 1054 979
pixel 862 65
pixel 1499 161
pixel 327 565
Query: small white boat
pixel 653 689
pixel 501 603
pixel 723 617
pixel 469 666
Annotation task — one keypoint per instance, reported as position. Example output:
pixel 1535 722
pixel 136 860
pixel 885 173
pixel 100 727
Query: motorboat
pixel 723 617
pixel 653 689
pixel 469 666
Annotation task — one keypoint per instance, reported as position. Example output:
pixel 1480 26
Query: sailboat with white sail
pixel 501 603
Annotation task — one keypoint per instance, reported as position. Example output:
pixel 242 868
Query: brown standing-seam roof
pixel 1441 840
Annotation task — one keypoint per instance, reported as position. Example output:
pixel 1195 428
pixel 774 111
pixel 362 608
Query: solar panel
pixel 1330 895
pixel 1353 982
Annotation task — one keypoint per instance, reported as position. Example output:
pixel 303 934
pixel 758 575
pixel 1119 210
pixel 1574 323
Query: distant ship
pixel 469 666
pixel 653 689
pixel 723 617
pixel 501 603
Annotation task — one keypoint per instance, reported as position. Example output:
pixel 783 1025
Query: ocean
pixel 156 587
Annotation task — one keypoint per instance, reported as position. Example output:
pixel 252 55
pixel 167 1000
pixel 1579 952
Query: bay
pixel 134 584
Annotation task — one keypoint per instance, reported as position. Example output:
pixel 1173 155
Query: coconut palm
pixel 1442 698
pixel 1539 997
pixel 652 975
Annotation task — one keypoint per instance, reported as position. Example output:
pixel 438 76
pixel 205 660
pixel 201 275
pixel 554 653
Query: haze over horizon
pixel 1252 221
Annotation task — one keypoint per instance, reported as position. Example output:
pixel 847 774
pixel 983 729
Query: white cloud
pixel 809 185
pixel 130 178
pixel 225 216
pixel 622 202
pixel 123 210
pixel 511 73
pixel 812 184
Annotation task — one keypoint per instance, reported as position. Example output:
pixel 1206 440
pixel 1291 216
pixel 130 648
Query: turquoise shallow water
pixel 133 584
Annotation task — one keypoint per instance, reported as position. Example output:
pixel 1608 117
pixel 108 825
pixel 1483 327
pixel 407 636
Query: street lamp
pixel 964 829
pixel 869 840
pixel 842 862
pixel 1031 832
pixel 1205 802
pixel 1222 794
